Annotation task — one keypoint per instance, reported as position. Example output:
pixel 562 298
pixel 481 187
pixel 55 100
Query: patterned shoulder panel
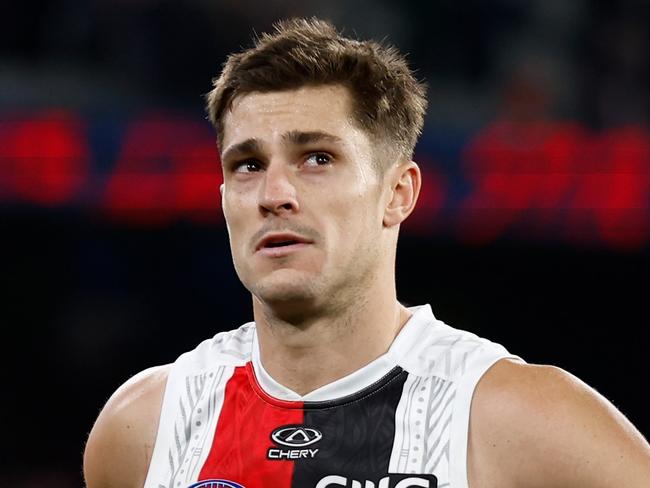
pixel 444 364
pixel 231 348
pixel 193 398
pixel 444 352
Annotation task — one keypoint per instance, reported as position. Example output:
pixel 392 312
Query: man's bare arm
pixel 120 445
pixel 538 426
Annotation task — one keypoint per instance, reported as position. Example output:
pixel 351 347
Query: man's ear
pixel 405 182
pixel 221 189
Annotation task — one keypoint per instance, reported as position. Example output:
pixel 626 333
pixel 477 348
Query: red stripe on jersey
pixel 243 437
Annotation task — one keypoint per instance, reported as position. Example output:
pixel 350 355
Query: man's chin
pixel 291 291
pixel 283 293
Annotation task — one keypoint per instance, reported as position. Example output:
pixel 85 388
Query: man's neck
pixel 305 357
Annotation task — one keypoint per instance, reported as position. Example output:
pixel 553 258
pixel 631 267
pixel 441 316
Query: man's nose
pixel 278 192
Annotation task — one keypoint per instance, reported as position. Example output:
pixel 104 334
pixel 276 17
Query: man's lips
pixel 281 240
pixel 282 251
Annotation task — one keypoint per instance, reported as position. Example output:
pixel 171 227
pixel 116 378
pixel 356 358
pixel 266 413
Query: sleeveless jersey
pixel 399 422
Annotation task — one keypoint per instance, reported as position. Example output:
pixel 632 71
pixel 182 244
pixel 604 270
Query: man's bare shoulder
pixel 539 426
pixel 121 442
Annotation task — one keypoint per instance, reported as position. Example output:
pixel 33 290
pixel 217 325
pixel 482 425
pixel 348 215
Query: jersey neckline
pixel 368 377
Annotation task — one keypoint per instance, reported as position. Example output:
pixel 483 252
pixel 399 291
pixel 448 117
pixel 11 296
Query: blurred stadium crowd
pixel 582 60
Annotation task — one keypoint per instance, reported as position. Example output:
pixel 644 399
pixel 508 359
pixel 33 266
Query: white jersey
pixel 401 421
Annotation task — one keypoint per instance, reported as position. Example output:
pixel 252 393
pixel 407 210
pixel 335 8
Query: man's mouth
pixel 280 243
pixel 274 244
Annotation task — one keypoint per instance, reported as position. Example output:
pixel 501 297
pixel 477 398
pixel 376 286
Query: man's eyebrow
pixel 299 138
pixel 245 147
pixel 302 138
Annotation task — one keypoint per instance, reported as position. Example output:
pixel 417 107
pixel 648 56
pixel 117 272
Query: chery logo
pixel 294 436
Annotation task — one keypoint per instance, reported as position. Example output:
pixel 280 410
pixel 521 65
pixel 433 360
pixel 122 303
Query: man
pixel 335 383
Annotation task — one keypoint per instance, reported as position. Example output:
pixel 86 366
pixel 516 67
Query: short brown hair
pixel 389 103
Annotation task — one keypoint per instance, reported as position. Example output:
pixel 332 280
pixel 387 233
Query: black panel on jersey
pixel 358 433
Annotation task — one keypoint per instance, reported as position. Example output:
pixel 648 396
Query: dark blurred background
pixel 533 228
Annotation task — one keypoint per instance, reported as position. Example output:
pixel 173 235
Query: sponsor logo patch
pixel 296 438
pixel 390 481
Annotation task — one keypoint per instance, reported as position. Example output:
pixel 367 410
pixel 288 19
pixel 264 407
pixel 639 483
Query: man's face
pixel 301 196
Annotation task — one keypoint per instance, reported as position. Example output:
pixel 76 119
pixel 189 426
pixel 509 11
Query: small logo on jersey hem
pixel 216 484
pixel 293 436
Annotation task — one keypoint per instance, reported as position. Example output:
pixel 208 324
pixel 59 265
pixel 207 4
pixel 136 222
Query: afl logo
pixel 216 484
pixel 296 436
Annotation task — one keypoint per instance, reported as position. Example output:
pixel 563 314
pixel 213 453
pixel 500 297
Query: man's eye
pixel 248 166
pixel 318 159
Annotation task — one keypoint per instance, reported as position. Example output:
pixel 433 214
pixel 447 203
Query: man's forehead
pixel 307 95
pixel 297 116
